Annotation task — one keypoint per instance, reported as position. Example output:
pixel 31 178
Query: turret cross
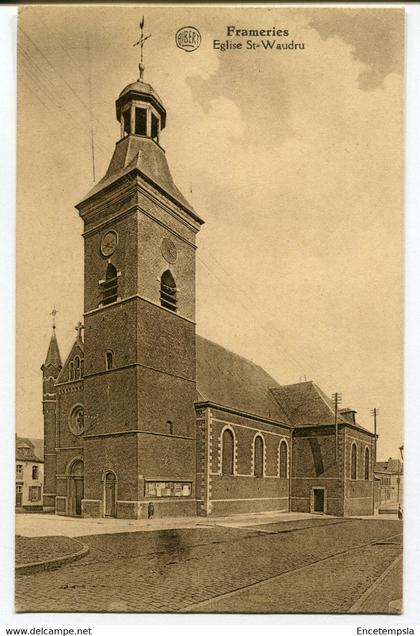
pixel 79 328
pixel 53 314
pixel 142 40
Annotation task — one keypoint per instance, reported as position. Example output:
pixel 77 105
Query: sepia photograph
pixel 209 293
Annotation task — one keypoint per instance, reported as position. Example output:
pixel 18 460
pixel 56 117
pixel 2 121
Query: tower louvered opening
pixel 110 285
pixel 168 291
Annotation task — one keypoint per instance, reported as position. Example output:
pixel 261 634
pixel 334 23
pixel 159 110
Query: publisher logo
pixel 188 38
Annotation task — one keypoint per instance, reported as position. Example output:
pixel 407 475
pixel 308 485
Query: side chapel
pixel 143 408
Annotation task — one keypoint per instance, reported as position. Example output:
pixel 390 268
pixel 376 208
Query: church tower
pixel 139 317
pixel 50 371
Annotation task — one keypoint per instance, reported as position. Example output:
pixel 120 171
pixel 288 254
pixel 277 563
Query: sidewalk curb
pixel 355 608
pixel 54 563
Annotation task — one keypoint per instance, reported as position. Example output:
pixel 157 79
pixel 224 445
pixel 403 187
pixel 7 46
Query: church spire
pixel 53 358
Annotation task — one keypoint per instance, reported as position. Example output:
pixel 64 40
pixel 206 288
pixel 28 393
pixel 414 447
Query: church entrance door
pixel 76 488
pixel 318 500
pixel 110 495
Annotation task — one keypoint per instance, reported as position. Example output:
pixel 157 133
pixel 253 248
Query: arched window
pixel 82 367
pixel 258 456
pixel 367 463
pixel 170 427
pixel 168 291
pixel 110 285
pixel 228 449
pixel 283 459
pixel 109 360
pixel 77 368
pixel 71 371
pixel 353 465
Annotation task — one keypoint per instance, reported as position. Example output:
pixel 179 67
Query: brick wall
pixel 242 491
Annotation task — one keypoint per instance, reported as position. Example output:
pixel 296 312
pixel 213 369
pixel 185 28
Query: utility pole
pixel 336 398
pixel 374 412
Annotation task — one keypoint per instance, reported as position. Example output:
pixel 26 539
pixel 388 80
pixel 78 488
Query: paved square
pixel 307 565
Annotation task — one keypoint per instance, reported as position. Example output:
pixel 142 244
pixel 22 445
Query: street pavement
pixel 311 564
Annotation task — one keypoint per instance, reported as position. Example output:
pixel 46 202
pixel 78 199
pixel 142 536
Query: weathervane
pixel 142 40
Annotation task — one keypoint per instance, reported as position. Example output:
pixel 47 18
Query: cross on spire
pixel 142 40
pixel 53 314
pixel 79 328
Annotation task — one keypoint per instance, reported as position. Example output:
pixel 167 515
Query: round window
pixel 76 420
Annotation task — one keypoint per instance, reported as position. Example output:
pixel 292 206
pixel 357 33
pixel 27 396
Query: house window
pixel 19 471
pixel 367 463
pixel 34 493
pixel 170 427
pixel 141 121
pixel 353 465
pixel 110 285
pixel 35 472
pixel 283 460
pixel 109 361
pixel 168 291
pixel 258 456
pixel 228 449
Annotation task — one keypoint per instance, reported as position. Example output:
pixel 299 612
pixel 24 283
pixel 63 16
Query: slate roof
pixel 390 467
pixel 147 157
pixel 35 452
pixel 53 355
pixel 305 404
pixel 230 380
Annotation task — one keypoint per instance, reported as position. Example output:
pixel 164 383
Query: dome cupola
pixel 139 108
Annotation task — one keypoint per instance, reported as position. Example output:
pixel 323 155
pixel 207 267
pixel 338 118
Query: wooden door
pixel 318 500
pixel 79 493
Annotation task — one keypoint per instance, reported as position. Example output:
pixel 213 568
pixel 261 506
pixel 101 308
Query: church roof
pixel 76 350
pixel 53 355
pixel 146 156
pixel 307 405
pixel 225 378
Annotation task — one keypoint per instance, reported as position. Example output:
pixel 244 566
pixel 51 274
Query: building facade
pixel 144 409
pixel 390 482
pixel 29 475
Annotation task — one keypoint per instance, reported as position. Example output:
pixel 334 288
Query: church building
pixel 146 410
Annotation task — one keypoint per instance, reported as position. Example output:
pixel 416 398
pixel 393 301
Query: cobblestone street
pixel 310 565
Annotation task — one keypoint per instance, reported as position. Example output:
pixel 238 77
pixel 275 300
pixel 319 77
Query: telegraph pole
pixel 374 412
pixel 336 398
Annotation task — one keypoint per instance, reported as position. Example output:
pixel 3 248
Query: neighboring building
pixel 146 410
pixel 29 474
pixel 389 477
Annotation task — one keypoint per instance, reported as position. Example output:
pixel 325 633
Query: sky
pixel 294 159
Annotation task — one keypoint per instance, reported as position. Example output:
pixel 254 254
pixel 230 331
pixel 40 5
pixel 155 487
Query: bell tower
pixel 139 316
